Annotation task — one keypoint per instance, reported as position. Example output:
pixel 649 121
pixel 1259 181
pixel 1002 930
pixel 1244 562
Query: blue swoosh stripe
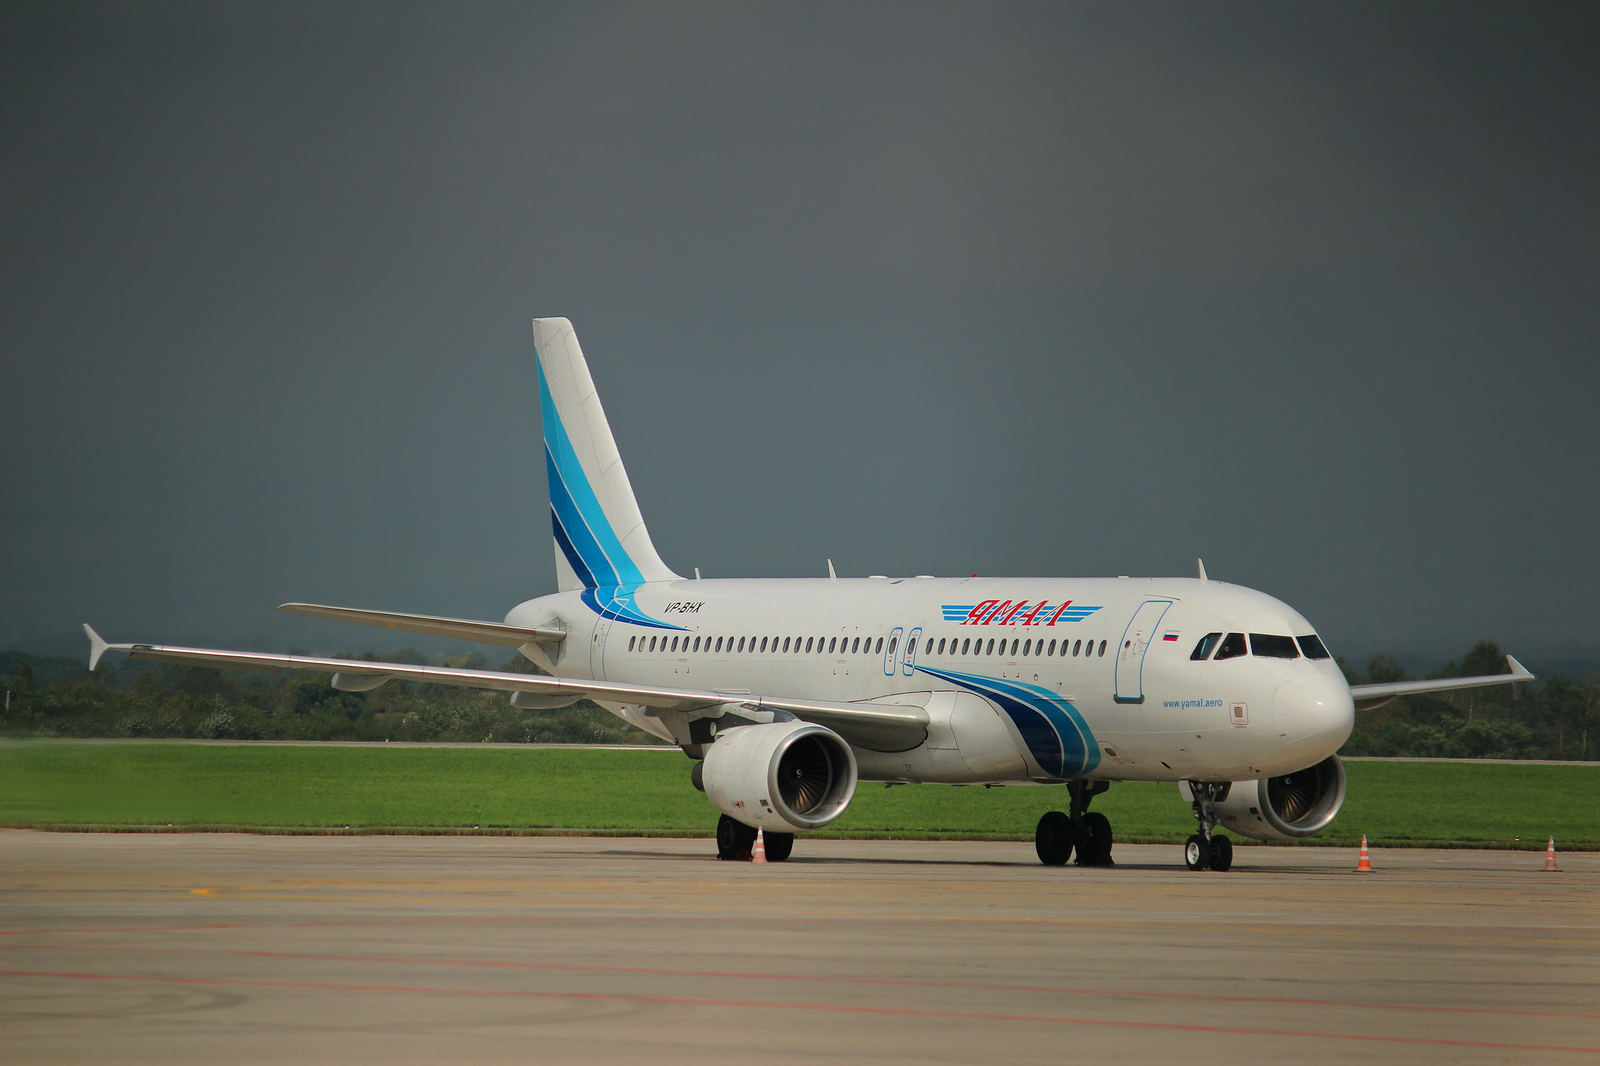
pixel 1056 734
pixel 575 506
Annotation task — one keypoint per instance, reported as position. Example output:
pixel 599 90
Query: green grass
pixel 55 784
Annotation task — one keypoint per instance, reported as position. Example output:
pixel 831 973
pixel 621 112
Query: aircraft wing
pixel 433 626
pixel 880 726
pixel 1369 696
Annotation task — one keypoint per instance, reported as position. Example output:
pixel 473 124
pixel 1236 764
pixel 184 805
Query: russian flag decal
pixel 1170 636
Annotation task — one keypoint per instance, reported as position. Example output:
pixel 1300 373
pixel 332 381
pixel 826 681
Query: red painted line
pixel 897 982
pixel 839 1008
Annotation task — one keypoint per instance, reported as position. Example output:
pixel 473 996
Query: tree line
pixel 1556 717
pixel 59 698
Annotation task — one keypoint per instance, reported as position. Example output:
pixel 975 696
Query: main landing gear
pixel 1087 833
pixel 1208 850
pixel 735 839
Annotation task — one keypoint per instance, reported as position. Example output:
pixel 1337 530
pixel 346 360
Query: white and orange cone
pixel 1550 856
pixel 759 852
pixel 1364 865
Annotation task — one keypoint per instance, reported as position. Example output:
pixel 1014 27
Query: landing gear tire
pixel 735 839
pixel 1197 853
pixel 1094 847
pixel 1054 839
pixel 1221 853
pixel 778 845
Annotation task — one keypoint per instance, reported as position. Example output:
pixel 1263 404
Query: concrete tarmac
pixel 210 948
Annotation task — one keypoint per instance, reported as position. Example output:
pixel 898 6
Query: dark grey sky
pixel 1308 290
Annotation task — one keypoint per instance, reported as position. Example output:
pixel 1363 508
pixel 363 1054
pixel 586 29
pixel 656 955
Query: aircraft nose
pixel 1314 713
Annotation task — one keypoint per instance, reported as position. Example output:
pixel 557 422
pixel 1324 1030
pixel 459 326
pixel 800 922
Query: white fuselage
pixel 1011 670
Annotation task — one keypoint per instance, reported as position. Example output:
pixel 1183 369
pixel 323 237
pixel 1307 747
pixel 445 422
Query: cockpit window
pixel 1203 649
pixel 1311 647
pixel 1273 647
pixel 1232 647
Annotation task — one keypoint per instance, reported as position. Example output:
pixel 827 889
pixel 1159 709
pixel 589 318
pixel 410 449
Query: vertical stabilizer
pixel 601 540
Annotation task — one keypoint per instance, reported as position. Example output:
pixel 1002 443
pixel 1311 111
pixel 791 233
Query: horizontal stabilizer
pixel 1369 696
pixel 433 626
pixel 880 726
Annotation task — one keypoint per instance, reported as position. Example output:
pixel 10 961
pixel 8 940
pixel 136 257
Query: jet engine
pixel 780 777
pixel 1286 807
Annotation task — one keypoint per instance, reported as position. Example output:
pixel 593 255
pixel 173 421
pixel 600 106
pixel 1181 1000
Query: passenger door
pixel 913 646
pixel 891 651
pixel 1131 648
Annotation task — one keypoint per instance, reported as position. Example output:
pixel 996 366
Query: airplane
pixel 786 693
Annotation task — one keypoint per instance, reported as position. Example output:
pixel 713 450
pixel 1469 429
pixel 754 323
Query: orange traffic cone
pixel 759 852
pixel 1365 865
pixel 1550 856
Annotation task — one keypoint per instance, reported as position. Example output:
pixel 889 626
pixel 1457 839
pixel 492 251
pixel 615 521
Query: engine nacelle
pixel 1287 807
pixel 782 776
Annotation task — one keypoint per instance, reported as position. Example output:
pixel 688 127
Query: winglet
pixel 1521 673
pixel 1201 565
pixel 97 646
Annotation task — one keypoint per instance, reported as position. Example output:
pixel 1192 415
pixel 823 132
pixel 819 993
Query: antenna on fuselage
pixel 831 575
pixel 1201 564
pixel 697 573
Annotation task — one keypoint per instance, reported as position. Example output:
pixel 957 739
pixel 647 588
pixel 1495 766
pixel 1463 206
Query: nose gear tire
pixel 1221 853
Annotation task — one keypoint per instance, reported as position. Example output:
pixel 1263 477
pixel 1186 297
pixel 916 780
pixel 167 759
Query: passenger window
pixel 1076 648
pixel 674 643
pixel 809 642
pixel 696 643
pixel 1232 647
pixel 741 644
pixel 892 642
pixel 880 646
pixel 966 646
pixel 1202 650
pixel 1102 648
pixel 855 645
pixel 941 647
pixel 652 643
pixel 833 645
pixel 1052 650
pixel 1014 644
pixel 631 641
pixel 991 648
pixel 1027 647
pixel 1273 647
pixel 1312 648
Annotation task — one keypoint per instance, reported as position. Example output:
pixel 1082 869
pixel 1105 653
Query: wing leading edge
pixel 879 726
pixel 1369 696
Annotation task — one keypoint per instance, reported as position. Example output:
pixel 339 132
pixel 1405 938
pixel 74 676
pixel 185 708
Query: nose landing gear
pixel 1205 849
pixel 1089 834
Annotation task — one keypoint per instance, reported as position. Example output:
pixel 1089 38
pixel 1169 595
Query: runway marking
pixel 679 912
pixel 741 1004
pixel 898 982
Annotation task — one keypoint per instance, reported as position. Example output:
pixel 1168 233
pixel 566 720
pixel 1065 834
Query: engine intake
pixel 1287 807
pixel 782 776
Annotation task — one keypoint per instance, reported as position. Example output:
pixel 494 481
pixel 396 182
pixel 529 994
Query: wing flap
pixel 435 626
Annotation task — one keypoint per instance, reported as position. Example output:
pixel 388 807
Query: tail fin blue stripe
pixel 578 520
